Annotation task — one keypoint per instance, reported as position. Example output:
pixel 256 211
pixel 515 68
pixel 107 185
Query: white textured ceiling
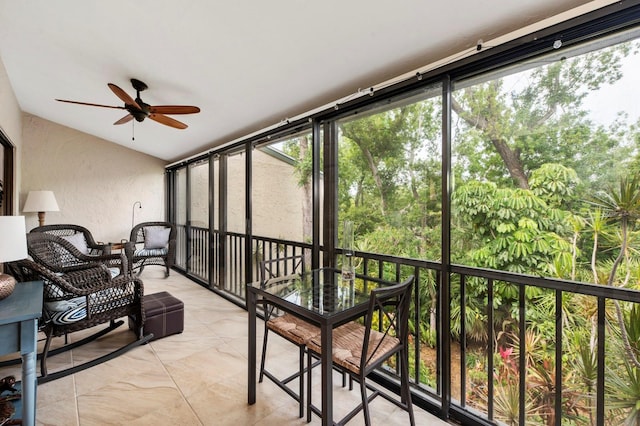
pixel 248 64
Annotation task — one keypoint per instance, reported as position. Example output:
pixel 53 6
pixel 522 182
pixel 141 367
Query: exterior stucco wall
pixel 95 182
pixel 280 213
pixel 236 193
pixel 11 126
pixel 199 180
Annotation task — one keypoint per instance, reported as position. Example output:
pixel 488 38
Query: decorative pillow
pixel 78 242
pixel 156 237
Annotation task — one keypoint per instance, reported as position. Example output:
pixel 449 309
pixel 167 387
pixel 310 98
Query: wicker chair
pixel 78 235
pixel 79 248
pixel 359 349
pixel 78 294
pixel 151 243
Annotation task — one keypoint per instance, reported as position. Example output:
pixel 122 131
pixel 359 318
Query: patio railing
pixel 489 381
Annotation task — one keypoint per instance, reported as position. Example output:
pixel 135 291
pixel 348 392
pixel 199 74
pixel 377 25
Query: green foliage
pixel 505 134
pixel 526 158
pixel 515 229
pixel 623 394
pixel 554 183
pixel 621 202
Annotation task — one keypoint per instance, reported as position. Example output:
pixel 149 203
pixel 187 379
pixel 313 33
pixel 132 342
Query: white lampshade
pixel 13 238
pixel 40 201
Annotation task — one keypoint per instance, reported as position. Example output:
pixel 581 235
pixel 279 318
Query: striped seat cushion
pixel 63 312
pixel 70 316
pixel 150 252
pixel 67 311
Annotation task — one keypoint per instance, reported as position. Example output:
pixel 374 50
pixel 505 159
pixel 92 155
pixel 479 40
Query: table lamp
pixel 13 246
pixel 41 202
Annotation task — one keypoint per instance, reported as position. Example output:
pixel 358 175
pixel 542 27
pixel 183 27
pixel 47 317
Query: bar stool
pixel 287 326
pixel 359 349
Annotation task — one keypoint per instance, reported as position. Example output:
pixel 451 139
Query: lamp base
pixel 41 218
pixel 7 284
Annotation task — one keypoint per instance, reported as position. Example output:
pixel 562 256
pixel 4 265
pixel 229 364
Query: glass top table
pixel 320 296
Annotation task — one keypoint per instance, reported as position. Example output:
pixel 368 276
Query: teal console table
pixel 19 314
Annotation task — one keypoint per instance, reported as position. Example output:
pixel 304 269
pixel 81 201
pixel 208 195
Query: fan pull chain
pixel 133 130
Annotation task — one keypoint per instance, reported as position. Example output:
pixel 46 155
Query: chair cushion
pixel 348 340
pixel 156 237
pixel 293 328
pixel 150 252
pixel 67 311
pixel 64 305
pixel 70 316
pixel 79 241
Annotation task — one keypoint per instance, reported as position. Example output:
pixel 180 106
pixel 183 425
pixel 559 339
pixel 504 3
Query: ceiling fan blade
pixel 87 103
pixel 168 121
pixel 174 109
pixel 128 100
pixel 127 118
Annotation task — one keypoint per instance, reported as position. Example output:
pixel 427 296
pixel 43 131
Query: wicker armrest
pixel 79 282
pixel 60 255
pixel 115 260
pixel 98 249
pixel 96 274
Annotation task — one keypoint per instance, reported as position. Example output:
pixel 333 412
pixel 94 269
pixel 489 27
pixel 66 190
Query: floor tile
pixel 197 377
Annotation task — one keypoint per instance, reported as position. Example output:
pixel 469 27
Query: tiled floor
pixel 194 378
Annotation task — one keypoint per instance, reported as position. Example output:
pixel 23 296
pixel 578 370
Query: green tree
pixel 510 127
pixel 513 229
pixel 389 145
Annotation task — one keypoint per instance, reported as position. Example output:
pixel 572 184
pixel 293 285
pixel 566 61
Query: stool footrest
pixel 164 315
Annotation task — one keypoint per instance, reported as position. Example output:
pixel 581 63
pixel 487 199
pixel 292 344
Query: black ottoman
pixel 164 315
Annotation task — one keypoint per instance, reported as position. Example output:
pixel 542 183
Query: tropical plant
pixel 622 204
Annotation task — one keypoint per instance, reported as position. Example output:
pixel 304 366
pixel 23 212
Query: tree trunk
pixel 510 157
pixel 376 177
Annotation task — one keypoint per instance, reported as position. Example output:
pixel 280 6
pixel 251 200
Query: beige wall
pixel 11 125
pixel 280 214
pixel 95 182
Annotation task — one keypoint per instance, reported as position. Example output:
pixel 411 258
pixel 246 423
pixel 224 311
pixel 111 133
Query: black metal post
pixel 211 240
pixel 444 293
pixel 315 176
pixel 248 244
pixel 222 221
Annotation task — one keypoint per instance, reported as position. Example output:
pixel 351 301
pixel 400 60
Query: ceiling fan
pixel 139 110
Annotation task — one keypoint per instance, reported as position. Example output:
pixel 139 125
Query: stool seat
pixel 164 315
